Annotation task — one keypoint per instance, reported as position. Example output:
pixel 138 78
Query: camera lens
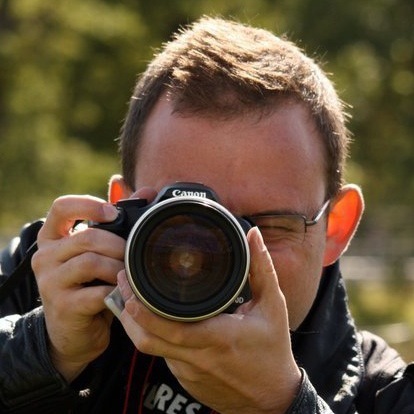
pixel 187 259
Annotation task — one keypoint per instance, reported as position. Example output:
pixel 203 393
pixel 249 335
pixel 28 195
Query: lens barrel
pixel 187 258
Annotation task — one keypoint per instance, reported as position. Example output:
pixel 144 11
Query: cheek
pixel 299 274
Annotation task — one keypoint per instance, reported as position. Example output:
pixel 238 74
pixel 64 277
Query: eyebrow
pixel 281 212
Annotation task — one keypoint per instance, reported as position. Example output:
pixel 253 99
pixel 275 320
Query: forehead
pixel 274 153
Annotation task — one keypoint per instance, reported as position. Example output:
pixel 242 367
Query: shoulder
pixel 382 366
pixel 380 360
pixel 11 256
pixel 18 288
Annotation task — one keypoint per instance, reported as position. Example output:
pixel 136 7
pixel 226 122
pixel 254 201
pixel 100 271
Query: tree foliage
pixel 67 70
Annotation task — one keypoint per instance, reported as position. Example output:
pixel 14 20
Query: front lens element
pixel 187 259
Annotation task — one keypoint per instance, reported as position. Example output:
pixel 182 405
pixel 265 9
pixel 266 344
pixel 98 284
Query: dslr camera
pixel 187 257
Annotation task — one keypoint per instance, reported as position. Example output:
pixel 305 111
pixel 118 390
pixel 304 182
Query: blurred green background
pixel 67 70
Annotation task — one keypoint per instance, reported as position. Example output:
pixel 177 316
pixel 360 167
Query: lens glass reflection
pixel 187 258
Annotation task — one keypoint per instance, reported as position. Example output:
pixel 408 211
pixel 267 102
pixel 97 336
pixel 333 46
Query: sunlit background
pixel 66 73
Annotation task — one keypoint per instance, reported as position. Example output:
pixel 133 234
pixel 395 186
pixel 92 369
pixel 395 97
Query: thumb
pixel 263 280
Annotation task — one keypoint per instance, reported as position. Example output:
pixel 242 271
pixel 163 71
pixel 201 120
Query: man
pixel 248 115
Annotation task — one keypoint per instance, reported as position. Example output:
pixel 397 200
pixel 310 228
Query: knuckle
pixel 36 261
pixel 59 205
pixel 40 261
pixel 85 239
pixel 89 261
pixel 179 336
pixel 145 344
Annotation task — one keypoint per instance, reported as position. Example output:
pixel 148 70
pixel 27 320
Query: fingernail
pixel 258 239
pixel 132 307
pixel 110 211
pixel 124 287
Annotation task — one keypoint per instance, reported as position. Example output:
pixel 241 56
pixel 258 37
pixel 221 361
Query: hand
pixel 234 363
pixel 66 263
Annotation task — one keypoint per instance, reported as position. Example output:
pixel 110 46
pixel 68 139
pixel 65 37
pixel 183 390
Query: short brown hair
pixel 216 66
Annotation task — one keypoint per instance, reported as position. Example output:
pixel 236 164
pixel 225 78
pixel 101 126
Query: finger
pixel 78 259
pixel 263 278
pixel 89 267
pixel 89 301
pixel 66 210
pixel 94 240
pixel 146 340
pixel 142 316
pixel 182 334
pixel 124 287
pixel 149 320
pixel 85 301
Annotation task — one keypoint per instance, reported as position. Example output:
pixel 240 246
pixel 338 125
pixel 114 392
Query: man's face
pixel 273 163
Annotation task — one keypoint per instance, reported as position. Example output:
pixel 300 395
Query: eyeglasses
pixel 279 230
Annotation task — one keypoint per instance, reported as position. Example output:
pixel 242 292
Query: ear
pixel 344 216
pixel 118 189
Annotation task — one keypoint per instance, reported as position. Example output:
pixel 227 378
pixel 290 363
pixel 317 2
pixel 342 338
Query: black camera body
pixel 187 257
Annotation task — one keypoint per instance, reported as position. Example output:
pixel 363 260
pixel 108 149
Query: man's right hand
pixel 67 261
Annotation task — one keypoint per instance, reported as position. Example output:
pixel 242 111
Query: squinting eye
pixel 280 230
pixel 277 232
